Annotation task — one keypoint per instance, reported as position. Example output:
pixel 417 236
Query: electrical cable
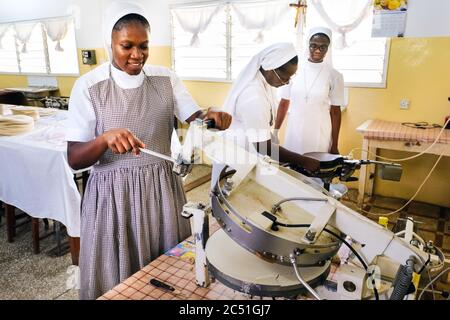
pixel 412 198
pixel 432 281
pixel 338 237
pixel 350 154
pixel 421 125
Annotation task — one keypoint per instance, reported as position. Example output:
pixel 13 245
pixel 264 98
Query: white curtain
pixel 260 16
pixel 195 20
pixel 349 16
pixel 23 33
pixel 56 31
pixel 3 29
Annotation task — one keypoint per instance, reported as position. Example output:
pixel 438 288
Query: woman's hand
pixel 222 119
pixel 121 141
pixel 310 164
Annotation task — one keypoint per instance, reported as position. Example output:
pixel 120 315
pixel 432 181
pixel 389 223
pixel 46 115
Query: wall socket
pixel 404 104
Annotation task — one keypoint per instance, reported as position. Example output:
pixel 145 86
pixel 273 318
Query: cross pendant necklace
pixel 307 92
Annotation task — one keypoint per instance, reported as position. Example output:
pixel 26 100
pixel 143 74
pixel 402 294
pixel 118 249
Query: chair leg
pixel 10 219
pixel 74 249
pixel 35 234
pixel 46 223
pixel 58 236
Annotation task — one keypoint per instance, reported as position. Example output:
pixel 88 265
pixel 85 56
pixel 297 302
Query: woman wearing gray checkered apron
pixel 132 203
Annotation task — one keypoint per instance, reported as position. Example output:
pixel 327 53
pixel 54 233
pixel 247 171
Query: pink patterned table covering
pixel 388 130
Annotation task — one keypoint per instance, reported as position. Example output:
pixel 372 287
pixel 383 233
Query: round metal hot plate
pixel 243 271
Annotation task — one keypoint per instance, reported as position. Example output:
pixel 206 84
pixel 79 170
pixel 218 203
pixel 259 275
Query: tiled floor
pixel 24 275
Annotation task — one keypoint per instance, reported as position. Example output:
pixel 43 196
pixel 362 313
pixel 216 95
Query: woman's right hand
pixel 310 164
pixel 121 141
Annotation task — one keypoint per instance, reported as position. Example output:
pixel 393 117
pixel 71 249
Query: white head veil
pixel 269 58
pixel 113 13
pixel 312 32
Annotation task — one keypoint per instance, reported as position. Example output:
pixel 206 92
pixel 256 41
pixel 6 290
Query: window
pixel 245 45
pixel 207 58
pixel 8 52
pixel 226 45
pixel 33 59
pixel 40 54
pixel 364 62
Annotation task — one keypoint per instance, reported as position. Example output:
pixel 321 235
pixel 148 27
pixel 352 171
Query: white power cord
pixel 432 281
pixel 412 198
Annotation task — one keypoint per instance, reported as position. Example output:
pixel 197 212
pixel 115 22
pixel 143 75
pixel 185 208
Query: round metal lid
pixel 243 271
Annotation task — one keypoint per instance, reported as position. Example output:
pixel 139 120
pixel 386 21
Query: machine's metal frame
pixel 377 246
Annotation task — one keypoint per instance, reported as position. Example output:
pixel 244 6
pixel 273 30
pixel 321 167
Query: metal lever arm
pixel 157 154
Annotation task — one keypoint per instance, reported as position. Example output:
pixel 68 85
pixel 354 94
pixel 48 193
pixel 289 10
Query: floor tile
pixel 387 203
pixel 424 209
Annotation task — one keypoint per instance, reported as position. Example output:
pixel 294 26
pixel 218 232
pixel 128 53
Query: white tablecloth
pixel 35 176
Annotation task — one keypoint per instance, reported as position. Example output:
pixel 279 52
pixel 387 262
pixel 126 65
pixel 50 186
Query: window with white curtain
pixel 8 52
pixel 241 28
pixel 32 60
pixel 229 40
pixel 360 58
pixel 39 47
pixel 203 55
pixel 255 26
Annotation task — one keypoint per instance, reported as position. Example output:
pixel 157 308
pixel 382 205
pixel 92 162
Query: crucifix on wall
pixel 300 10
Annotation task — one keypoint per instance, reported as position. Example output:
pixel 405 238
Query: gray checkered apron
pixel 131 207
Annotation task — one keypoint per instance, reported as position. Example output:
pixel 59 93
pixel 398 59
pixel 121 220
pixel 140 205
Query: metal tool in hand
pixel 180 167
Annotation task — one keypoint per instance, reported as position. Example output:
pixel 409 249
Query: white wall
pixel 428 18
pixel 425 17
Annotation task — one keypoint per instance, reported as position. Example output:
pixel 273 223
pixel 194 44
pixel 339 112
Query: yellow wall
pixel 419 70
pixel 158 55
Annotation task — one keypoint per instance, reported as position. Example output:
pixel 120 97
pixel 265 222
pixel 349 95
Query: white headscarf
pixel 312 32
pixel 269 58
pixel 113 13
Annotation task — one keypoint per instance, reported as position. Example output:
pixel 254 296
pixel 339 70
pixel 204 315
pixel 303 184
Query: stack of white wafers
pixel 15 124
pixel 27 111
pixel 46 111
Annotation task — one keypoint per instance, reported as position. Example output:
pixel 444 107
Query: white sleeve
pixel 184 104
pixel 81 121
pixel 337 89
pixel 284 92
pixel 254 111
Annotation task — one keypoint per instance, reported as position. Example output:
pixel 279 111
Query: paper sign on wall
pixel 389 18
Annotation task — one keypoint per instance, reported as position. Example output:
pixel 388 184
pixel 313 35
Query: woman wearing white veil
pixel 131 206
pixel 252 102
pixel 314 96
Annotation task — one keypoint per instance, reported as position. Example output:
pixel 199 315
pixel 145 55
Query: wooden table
pixel 36 178
pixel 380 134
